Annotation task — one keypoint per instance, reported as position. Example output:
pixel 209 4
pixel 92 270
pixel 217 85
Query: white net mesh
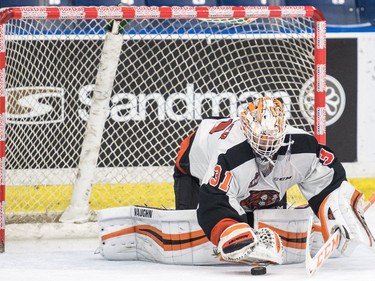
pixel 171 75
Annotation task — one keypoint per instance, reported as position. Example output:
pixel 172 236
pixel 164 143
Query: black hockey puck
pixel 258 270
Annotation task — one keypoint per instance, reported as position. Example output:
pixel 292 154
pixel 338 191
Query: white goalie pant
pixel 174 236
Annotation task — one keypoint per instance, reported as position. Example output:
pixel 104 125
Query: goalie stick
pixel 314 263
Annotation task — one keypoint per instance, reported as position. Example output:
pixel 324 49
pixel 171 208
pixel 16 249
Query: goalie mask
pixel 263 124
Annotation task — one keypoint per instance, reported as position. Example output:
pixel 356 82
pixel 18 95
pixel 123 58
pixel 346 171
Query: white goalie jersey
pixel 232 176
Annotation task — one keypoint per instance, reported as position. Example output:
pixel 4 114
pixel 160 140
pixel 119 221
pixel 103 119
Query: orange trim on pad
pixel 167 241
pixel 296 240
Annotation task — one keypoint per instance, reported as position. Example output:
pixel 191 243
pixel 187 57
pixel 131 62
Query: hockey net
pixel 171 68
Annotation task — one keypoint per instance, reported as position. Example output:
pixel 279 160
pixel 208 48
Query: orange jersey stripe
pixel 183 147
pixel 219 229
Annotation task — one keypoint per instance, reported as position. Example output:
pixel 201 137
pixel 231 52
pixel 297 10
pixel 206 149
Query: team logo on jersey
pixel 260 199
pixel 335 100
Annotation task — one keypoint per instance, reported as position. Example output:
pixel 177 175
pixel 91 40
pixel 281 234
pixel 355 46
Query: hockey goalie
pixel 231 178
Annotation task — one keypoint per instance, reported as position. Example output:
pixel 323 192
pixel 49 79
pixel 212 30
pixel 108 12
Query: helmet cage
pixel 263 124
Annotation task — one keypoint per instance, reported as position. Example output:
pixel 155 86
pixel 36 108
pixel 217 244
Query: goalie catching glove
pixel 240 242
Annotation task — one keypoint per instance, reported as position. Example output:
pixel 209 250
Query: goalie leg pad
pixel 148 234
pixel 344 209
pixel 291 225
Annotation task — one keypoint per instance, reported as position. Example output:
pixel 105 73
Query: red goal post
pixel 51 68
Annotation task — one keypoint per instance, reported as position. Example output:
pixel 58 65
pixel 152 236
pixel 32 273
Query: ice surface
pixel 71 260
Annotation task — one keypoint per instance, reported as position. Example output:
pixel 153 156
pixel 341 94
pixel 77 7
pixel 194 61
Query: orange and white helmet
pixel 263 123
